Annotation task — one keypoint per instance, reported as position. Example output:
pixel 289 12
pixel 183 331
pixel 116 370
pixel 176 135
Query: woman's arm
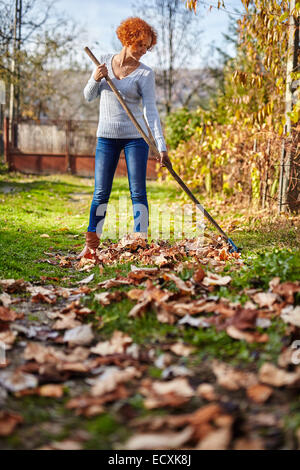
pixel 92 88
pixel 147 90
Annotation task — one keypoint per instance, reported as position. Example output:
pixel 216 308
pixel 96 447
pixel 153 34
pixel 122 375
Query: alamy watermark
pixel 295 358
pixel 2 92
pixel 161 221
pixel 2 353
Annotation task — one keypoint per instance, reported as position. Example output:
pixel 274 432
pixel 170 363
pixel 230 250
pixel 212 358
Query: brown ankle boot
pixel 91 242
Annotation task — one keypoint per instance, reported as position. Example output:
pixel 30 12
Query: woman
pixel 136 82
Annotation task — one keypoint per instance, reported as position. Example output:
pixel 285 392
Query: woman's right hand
pixel 100 72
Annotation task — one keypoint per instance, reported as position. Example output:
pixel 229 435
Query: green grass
pixel 45 204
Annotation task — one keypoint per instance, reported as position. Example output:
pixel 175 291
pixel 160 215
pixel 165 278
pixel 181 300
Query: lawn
pixel 43 220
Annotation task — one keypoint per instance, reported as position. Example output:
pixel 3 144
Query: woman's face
pixel 140 48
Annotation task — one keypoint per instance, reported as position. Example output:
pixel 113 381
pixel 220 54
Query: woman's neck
pixel 124 58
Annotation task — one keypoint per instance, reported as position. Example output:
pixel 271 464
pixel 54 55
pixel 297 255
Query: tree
pixel 179 43
pixel 33 44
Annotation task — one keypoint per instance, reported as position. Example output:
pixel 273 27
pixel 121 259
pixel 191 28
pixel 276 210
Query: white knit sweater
pixel 113 120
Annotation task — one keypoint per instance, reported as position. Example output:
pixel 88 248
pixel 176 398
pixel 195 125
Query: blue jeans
pixel 106 161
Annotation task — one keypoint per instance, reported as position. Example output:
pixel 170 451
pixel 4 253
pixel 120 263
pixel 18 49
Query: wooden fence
pixel 57 147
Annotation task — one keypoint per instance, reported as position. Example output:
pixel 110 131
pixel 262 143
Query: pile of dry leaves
pixel 65 345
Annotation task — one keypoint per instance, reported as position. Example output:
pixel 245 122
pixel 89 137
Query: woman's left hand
pixel 164 159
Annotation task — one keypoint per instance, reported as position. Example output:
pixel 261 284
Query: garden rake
pixel 151 142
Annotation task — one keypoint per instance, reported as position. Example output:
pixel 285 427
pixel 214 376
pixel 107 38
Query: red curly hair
pixel 134 29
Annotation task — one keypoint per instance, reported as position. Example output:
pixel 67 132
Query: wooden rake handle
pixel 150 141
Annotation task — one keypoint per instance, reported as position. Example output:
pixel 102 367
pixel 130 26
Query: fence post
pixel 290 193
pixel 68 156
pixel 6 141
pixel 265 189
pixel 281 178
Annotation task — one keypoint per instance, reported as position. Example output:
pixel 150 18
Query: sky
pixel 100 18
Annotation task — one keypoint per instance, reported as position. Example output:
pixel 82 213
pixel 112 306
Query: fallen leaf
pixel 8 422
pixel 207 391
pixel 80 335
pixel 199 322
pixel 67 444
pixel 105 298
pixel 5 299
pixel 231 378
pixel 166 440
pixel 173 393
pixel 12 285
pixel 117 344
pixel 265 299
pixel 199 275
pixel 181 349
pixel 14 381
pixel 111 378
pixel 67 321
pixel 142 269
pixel 180 284
pixel 87 279
pixel 216 440
pixel 212 279
pixel 51 390
pixel 87 405
pixel 259 393
pixel 7 314
pixel 244 443
pixel 272 375
pixel 289 314
pixel 41 294
pixel 287 290
pixel 235 333
pixel 8 337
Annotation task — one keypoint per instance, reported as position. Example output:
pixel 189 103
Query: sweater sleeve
pixel 92 88
pixel 147 89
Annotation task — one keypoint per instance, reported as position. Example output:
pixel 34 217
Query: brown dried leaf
pixel 216 440
pixel 232 379
pixel 66 321
pixel 87 405
pixel 199 275
pixel 79 336
pixel 164 440
pixel 117 344
pixel 291 315
pixel 207 391
pixel 181 349
pixel 265 299
pixel 12 285
pixel 8 337
pixel 244 443
pixel 272 375
pixel 180 284
pixel 259 393
pixel 235 333
pixel 15 381
pixel 105 298
pixel 212 279
pixel 7 314
pixel 5 299
pixel 287 290
pixel 8 422
pixel 172 393
pixel 111 378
